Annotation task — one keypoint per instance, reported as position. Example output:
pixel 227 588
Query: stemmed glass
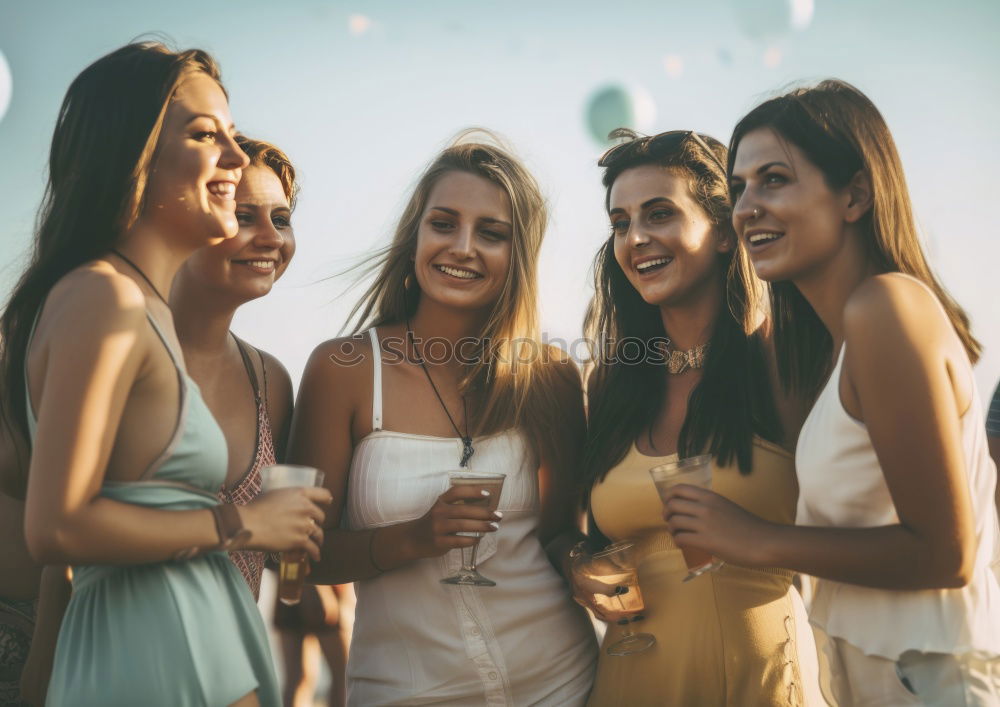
pixel 696 471
pixel 468 575
pixel 615 565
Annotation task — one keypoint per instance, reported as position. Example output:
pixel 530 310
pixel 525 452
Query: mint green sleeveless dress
pixel 172 634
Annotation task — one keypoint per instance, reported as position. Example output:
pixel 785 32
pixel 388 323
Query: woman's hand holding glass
pixel 434 533
pixel 287 519
pixel 587 589
pixel 702 520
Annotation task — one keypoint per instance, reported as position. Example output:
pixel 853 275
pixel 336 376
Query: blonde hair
pixel 513 351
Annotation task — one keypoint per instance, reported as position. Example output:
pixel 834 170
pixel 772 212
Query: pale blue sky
pixel 362 113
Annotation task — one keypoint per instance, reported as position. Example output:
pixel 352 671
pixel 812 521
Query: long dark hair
pixel 842 132
pixel 734 399
pixel 104 142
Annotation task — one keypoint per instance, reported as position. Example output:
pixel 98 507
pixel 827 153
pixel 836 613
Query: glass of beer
pixel 294 563
pixel 696 471
pixel 468 575
pixel 616 565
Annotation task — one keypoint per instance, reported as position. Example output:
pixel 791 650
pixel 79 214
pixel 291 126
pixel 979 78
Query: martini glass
pixel 615 565
pixel 468 575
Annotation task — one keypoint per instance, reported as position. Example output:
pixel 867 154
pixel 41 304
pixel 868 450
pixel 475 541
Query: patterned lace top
pixel 251 563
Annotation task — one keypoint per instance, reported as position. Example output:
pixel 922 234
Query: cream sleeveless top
pixel 841 485
pixel 417 641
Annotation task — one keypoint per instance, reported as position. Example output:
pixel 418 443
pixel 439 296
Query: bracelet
pixel 229 525
pixel 371 551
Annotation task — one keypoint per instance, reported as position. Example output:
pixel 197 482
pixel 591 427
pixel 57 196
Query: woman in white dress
pixel 896 516
pixel 448 363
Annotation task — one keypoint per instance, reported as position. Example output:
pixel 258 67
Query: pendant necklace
pixel 467 449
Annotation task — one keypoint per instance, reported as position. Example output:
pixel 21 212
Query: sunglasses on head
pixel 673 138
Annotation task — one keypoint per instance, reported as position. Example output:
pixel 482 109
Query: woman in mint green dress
pixel 126 458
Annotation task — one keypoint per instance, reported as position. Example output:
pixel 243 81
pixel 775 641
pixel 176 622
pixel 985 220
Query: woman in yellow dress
pixel 687 368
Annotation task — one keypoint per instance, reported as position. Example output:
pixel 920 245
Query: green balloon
pixel 608 108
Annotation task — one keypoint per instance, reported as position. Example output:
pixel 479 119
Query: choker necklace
pixel 467 449
pixel 680 361
pixel 141 274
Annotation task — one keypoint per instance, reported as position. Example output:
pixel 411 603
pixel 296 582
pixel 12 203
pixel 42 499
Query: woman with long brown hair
pixel 447 373
pixel 686 368
pixel 125 455
pixel 896 516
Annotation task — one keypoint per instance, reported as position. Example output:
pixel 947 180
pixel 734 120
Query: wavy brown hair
pixel 103 147
pixel 508 379
pixel 841 132
pixel 734 399
pixel 265 154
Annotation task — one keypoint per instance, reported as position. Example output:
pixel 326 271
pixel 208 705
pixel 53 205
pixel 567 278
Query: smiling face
pixel 463 252
pixel 192 181
pixel 789 218
pixel 665 243
pixel 247 265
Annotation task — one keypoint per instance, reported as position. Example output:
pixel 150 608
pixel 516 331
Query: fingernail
pixel 497 514
pixel 639 617
pixel 495 526
pixel 484 492
pixel 621 590
pixel 622 622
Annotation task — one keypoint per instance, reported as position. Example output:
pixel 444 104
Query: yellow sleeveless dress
pixel 737 636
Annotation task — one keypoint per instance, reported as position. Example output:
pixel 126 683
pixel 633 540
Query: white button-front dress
pixel 417 641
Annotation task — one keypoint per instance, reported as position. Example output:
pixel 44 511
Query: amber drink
pixel 294 563
pixel 615 566
pixel 696 471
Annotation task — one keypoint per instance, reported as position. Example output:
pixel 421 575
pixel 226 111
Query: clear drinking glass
pixel 294 563
pixel 468 575
pixel 615 565
pixel 696 471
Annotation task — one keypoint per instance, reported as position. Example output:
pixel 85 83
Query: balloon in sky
pixel 616 106
pixel 767 20
pixel 6 84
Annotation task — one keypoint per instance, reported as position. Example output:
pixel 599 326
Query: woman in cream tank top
pixel 437 385
pixel 896 514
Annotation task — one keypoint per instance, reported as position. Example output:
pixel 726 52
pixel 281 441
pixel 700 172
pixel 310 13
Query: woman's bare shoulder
pixel 93 300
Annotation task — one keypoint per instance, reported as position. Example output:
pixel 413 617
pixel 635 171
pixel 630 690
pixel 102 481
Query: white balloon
pixel 617 106
pixel 802 13
pixel 6 86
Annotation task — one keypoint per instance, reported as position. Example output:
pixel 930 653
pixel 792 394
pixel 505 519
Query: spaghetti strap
pixel 182 405
pixel 377 384
pixel 263 368
pixel 248 365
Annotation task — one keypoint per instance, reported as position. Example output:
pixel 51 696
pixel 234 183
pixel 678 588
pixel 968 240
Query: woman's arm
pixel 94 353
pixel 321 437
pixel 20 575
pixel 907 380
pixel 559 474
pixel 53 598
